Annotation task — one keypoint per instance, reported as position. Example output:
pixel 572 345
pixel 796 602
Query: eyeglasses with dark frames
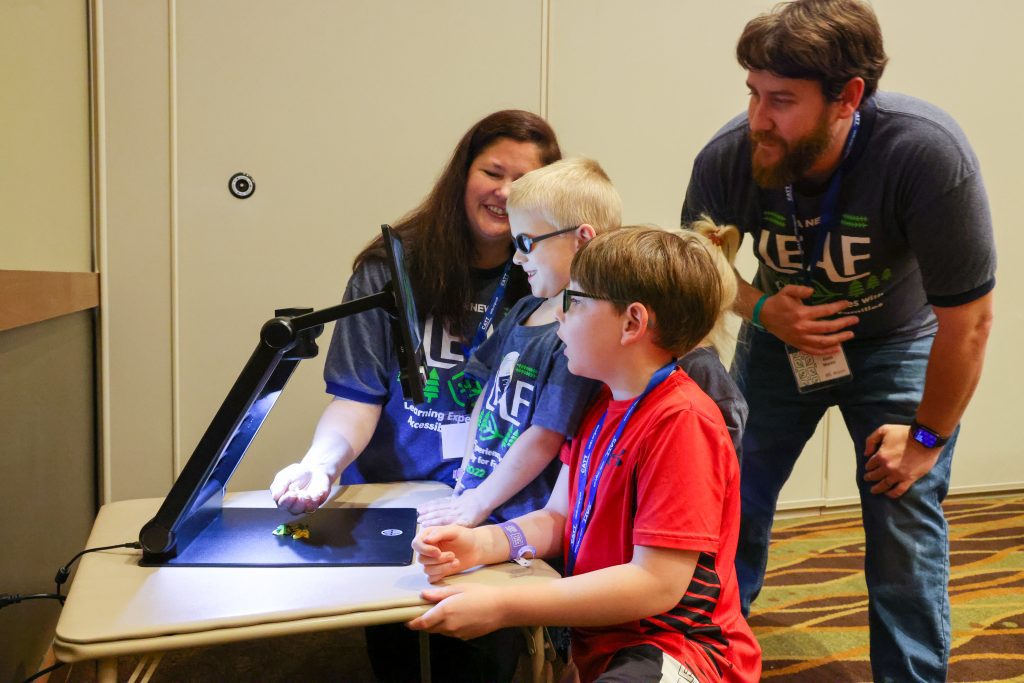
pixel 568 294
pixel 525 243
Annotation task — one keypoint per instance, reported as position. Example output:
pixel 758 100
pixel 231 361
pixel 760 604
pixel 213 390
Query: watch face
pixel 925 438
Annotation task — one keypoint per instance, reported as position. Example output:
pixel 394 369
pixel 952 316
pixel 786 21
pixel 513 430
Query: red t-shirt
pixel 672 483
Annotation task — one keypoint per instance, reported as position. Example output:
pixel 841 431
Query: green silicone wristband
pixel 755 317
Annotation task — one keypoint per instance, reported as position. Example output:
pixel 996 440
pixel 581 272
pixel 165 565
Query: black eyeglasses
pixel 524 243
pixel 568 294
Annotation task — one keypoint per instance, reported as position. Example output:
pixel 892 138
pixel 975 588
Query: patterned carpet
pixel 811 617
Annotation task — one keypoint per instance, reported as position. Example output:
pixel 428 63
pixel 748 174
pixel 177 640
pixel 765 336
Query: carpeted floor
pixel 811 617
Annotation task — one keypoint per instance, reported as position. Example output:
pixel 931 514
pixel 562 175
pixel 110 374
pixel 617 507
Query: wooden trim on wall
pixel 31 296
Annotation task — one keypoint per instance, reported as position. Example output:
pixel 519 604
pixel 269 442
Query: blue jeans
pixel 906 562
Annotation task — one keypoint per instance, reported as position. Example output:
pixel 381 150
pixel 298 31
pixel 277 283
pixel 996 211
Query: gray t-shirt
pixel 705 368
pixel 913 229
pixel 527 382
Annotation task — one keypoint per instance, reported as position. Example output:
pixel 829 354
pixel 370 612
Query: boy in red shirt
pixel 646 508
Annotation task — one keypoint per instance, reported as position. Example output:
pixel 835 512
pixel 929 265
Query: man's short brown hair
pixel 673 274
pixel 829 41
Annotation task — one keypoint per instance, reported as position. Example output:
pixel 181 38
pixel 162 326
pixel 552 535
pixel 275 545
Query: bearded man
pixel 873 293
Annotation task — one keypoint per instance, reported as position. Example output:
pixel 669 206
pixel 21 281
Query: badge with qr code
pixel 814 373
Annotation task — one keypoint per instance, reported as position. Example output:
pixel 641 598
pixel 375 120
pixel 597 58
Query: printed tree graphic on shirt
pixel 856 290
pixel 432 387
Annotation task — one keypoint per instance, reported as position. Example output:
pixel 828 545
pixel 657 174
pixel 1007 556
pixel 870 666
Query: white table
pixel 117 608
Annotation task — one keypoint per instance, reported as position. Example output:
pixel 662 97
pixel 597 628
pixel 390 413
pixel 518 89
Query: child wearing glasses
pixel 645 512
pixel 531 402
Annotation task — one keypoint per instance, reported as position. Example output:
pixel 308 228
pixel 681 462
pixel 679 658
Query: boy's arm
pixel 448 550
pixel 467 457
pixel 652 583
pixel 446 510
pixel 525 460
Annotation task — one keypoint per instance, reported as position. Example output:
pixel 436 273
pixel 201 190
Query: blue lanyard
pixel 828 208
pixel 492 308
pixel 586 496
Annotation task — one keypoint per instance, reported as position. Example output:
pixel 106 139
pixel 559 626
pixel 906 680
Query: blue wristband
pixel 755 317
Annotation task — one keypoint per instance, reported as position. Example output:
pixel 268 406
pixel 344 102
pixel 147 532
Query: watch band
pixel 926 436
pixel 518 546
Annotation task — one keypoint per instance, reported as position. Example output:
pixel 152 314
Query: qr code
pixel 804 367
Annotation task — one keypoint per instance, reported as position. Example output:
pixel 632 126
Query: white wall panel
pixel 344 114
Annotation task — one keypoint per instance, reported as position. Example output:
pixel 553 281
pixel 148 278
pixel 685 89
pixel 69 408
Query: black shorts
pixel 646 664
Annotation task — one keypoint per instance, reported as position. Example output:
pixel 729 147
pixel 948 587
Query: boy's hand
pixel 446 550
pixel 468 611
pixel 465 509
pixel 300 488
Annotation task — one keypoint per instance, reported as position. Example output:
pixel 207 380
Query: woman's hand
pixel 300 488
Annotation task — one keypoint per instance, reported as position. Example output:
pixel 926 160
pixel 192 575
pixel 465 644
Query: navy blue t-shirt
pixel 527 383
pixel 362 366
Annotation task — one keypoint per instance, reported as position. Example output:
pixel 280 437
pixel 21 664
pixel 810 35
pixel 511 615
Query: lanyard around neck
pixel 490 311
pixel 587 495
pixel 828 208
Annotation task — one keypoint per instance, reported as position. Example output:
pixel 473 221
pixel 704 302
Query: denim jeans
pixel 906 563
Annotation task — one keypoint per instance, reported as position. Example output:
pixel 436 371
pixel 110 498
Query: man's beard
pixel 797 158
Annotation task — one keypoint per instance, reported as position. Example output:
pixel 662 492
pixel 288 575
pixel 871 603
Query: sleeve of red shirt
pixel 565 452
pixel 681 484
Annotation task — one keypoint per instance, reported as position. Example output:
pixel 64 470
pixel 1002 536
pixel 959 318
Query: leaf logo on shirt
pixel 464 389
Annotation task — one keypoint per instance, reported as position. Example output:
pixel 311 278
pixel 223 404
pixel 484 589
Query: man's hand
pixel 785 315
pixel 300 488
pixel 467 611
pixel 464 509
pixel 895 461
pixel 446 550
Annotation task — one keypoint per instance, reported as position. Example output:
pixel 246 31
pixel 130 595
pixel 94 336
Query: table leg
pixel 106 670
pixel 534 636
pixel 424 657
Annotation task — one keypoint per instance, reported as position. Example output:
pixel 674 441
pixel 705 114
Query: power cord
pixel 60 579
pixel 14 598
pixel 64 572
pixel 43 672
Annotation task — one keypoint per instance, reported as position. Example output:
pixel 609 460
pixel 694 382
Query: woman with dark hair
pixel 458 251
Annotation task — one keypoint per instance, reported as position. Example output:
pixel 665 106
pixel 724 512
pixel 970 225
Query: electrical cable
pixel 64 572
pixel 7 599
pixel 43 672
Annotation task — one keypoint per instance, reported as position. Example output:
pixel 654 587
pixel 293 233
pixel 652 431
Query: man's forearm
pixel 955 363
pixel 746 297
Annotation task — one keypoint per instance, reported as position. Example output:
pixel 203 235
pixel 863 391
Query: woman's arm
pixel 344 429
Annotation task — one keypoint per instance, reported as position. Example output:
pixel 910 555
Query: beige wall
pixel 47 390
pixel 345 112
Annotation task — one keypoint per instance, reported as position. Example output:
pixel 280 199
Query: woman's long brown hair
pixel 437 236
